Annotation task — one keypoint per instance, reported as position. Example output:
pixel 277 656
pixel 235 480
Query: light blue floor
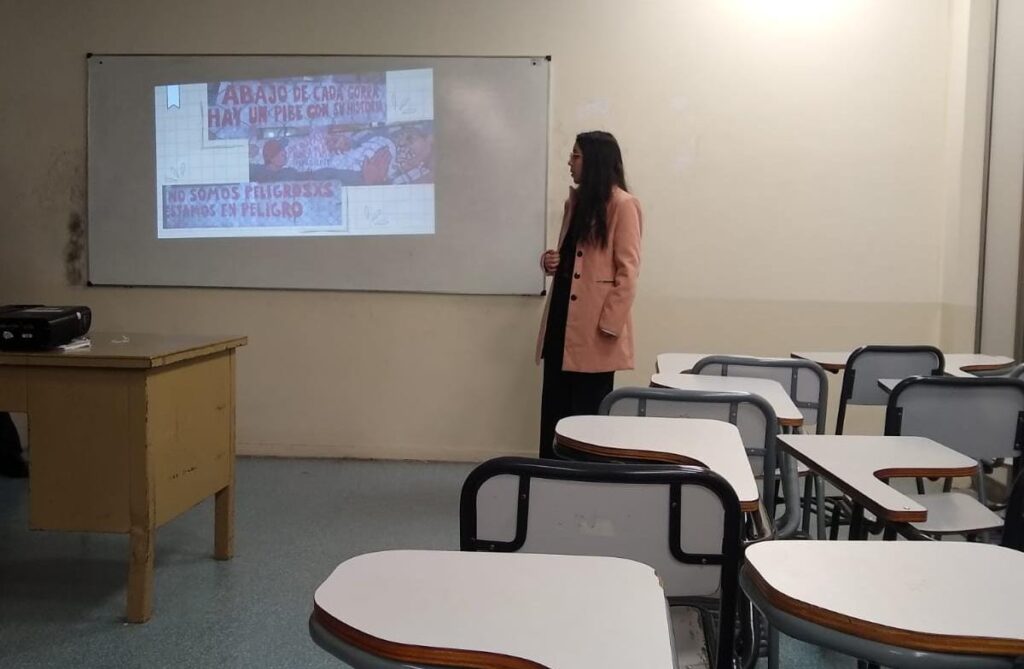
pixel 62 594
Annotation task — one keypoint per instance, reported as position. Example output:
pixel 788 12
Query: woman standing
pixel 587 330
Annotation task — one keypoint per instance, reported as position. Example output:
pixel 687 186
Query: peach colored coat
pixel 599 329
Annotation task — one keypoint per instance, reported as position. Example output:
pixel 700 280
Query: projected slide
pixel 340 154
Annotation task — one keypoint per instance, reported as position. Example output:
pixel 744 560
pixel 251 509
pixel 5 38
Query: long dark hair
pixel 602 169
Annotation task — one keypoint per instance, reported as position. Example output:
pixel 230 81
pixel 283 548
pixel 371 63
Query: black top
pixel 558 311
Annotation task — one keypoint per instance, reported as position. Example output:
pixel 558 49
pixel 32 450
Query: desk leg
pixel 141 512
pixel 857 530
pixel 773 646
pixel 819 491
pixel 224 523
pixel 140 572
pixel 224 513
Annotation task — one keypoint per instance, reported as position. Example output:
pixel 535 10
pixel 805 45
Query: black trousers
pixel 568 394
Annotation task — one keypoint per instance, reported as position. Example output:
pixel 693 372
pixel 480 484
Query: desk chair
pixel 982 418
pixel 805 382
pixel 682 521
pixel 751 414
pixel 867 364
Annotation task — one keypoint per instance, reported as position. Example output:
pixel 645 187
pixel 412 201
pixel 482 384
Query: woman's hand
pixel 550 261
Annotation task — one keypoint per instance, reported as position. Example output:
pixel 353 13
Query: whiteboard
pixel 256 171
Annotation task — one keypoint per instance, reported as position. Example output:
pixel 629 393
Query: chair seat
pixel 955 513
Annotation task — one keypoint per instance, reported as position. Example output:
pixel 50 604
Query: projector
pixel 36 327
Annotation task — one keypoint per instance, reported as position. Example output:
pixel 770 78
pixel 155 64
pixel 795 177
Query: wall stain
pixel 74 250
pixel 68 168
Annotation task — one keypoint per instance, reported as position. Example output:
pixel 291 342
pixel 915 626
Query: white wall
pixel 793 159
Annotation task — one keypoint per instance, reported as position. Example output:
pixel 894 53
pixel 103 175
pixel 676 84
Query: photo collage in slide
pixel 339 154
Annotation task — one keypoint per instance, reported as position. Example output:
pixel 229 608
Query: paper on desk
pixel 75 344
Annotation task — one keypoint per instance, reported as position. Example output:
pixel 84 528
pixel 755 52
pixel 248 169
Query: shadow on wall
pixel 74 250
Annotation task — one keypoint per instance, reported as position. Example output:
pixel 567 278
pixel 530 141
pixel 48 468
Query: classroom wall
pixel 793 159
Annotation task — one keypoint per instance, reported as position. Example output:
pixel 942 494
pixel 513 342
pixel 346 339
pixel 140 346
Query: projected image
pixel 342 154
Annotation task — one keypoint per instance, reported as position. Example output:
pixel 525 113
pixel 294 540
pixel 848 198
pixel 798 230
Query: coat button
pixel 576 275
pixel 572 297
pixel 579 254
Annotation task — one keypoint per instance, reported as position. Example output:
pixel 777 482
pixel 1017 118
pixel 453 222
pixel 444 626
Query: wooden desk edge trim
pixel 914 640
pixel 404 652
pixel 984 366
pixel 930 472
pixel 659 457
pixel 883 513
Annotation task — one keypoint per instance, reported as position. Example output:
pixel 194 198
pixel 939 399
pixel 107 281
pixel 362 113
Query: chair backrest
pixel 750 413
pixel 1013 528
pixel 685 522
pixel 868 364
pixel 981 418
pixel 804 380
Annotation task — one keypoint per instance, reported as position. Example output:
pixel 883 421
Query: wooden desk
pixel 502 610
pixel 125 436
pixel 713 444
pixel 932 597
pixel 786 411
pixel 957 364
pixel 856 465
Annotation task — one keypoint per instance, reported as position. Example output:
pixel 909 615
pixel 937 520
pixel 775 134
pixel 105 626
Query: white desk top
pixel 855 464
pixel 957 364
pixel 677 363
pixel 786 411
pixel 707 443
pixel 962 364
pixel 888 384
pixel 935 596
pixel 556 610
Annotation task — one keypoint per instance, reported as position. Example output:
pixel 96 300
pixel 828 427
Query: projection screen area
pixel 329 172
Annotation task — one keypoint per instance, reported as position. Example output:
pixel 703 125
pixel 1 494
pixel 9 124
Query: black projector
pixel 34 328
